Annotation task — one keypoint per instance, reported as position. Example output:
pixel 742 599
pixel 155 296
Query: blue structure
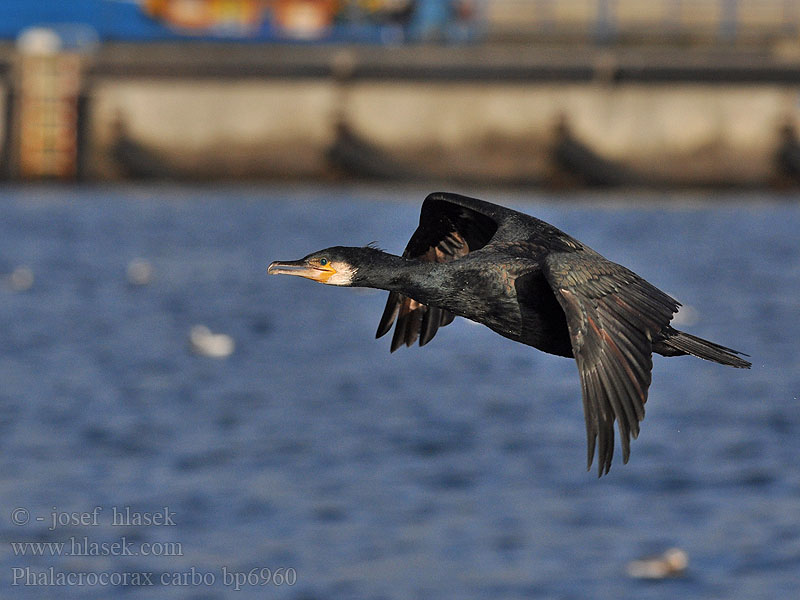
pixel 125 20
pixel 113 20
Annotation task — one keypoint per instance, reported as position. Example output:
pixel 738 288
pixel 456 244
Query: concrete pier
pixel 480 113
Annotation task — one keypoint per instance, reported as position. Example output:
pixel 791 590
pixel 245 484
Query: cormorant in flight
pixel 531 283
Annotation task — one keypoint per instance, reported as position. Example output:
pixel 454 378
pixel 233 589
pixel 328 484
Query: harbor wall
pixel 684 133
pixel 215 129
pixel 484 114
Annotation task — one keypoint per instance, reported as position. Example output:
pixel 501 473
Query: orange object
pixel 305 19
pixel 207 14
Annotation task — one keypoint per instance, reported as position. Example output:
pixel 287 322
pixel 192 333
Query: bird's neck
pixel 413 278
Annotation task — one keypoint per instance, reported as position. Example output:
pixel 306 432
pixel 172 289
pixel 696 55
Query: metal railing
pixel 656 20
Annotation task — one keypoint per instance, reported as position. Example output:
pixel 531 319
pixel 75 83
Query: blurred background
pixel 156 155
pixel 661 93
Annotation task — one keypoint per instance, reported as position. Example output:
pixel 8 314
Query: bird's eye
pixel 323 261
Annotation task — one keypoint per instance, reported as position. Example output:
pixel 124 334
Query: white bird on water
pixel 20 279
pixel 139 272
pixel 672 563
pixel 206 343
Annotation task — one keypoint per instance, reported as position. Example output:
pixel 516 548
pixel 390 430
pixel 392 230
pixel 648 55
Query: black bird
pixel 531 283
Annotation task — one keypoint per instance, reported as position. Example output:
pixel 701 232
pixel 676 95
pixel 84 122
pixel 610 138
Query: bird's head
pixel 333 266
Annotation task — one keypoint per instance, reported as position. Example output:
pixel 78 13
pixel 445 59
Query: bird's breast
pixel 487 298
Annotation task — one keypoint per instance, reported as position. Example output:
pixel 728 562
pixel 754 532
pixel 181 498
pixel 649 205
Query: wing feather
pixel 447 231
pixel 612 316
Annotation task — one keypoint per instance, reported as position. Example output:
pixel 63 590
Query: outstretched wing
pixel 450 226
pixel 612 316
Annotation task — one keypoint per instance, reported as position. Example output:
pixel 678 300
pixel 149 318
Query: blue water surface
pixel 448 472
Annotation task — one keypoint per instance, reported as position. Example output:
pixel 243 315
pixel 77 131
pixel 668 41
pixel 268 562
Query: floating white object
pixel 671 563
pixel 206 343
pixel 140 272
pixel 20 279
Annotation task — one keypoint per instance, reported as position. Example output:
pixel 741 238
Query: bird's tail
pixel 685 343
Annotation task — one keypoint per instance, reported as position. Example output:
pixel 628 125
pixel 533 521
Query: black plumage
pixel 531 283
